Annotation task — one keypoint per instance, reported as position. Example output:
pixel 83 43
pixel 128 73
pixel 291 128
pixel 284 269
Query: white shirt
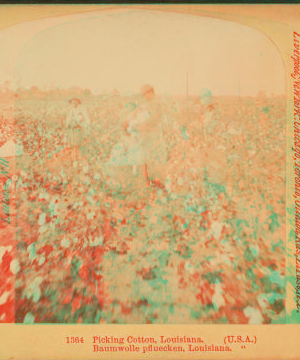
pixel 78 116
pixel 138 120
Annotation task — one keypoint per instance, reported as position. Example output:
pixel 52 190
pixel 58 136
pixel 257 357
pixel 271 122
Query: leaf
pixel 171 309
pixel 254 250
pixel 75 265
pixel 36 294
pixel 31 251
pixel 276 278
pixel 29 319
pixel 76 303
pixel 33 291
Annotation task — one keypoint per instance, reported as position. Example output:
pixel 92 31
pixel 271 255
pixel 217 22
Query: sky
pixel 125 50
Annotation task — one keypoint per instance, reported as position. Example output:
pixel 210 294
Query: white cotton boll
pixel 75 240
pixel 62 174
pixel 233 131
pixel 189 268
pixel 217 299
pixel 14 266
pixel 263 302
pixel 217 228
pixel 23 174
pixel 65 242
pixel 43 229
pixel 41 259
pixel 37 281
pixel 85 243
pixel 89 199
pixel 4 297
pixel 41 195
pixel 90 215
pixel 42 219
pixel 85 169
pixel 180 181
pixel 254 315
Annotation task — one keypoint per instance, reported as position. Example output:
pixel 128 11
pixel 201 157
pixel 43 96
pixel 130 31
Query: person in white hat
pixel 151 136
pixel 207 102
pixel 77 122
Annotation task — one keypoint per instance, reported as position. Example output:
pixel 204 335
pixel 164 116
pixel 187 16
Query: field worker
pixel 128 151
pixel 213 132
pixel 125 168
pixel 207 102
pixel 77 122
pixel 149 126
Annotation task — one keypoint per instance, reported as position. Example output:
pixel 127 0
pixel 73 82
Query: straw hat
pixel 75 99
pixel 147 89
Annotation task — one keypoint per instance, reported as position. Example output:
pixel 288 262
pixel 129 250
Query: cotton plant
pixel 33 290
pixel 275 277
pixel 265 300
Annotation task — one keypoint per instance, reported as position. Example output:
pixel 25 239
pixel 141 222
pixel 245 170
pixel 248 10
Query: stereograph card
pixel 149 181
